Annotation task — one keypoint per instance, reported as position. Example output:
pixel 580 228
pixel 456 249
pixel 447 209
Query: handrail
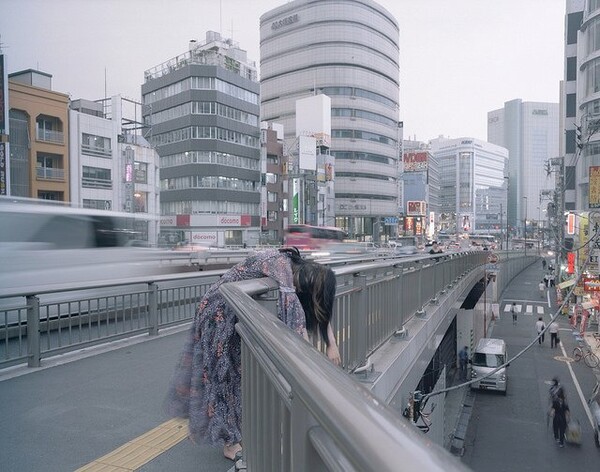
pixel 336 408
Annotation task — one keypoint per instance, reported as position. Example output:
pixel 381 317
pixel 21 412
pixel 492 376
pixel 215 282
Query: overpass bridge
pixel 398 321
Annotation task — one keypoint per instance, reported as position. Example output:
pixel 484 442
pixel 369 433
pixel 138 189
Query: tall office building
pixel 566 165
pixel 347 50
pixel 202 113
pixel 39 152
pixel 529 130
pixel 472 185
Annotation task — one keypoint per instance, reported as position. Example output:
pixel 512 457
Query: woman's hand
pixel 334 354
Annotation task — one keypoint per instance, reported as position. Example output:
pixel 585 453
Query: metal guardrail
pixel 38 322
pixel 302 413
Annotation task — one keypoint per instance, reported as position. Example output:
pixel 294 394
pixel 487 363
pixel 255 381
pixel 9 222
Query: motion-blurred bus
pixel 307 237
pixel 47 243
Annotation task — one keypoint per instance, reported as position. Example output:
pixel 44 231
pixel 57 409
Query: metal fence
pixel 373 301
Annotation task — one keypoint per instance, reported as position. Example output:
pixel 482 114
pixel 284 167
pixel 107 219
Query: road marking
pixel 525 309
pixel 578 388
pixel 134 454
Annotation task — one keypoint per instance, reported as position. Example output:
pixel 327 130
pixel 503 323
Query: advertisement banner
pixel 307 152
pixel 295 201
pixel 204 237
pixel 594 187
pixel 3 170
pixel 414 161
pixel 570 263
pixel 3 98
pixel 416 208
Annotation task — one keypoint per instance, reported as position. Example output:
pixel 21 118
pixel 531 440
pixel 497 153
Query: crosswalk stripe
pixel 527 310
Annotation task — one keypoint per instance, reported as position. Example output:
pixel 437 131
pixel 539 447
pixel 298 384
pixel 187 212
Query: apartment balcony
pixel 50 136
pixel 50 173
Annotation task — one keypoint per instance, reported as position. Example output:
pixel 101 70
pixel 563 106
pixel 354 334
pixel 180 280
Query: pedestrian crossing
pixel 526 309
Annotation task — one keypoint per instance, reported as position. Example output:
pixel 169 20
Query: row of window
pixel 363 114
pixel 357 134
pixel 201 83
pixel 202 108
pixel 364 196
pixel 362 156
pixel 196 207
pixel 93 145
pixel 99 177
pixel 205 132
pixel 361 93
pixel 211 181
pixel 209 157
pixel 364 175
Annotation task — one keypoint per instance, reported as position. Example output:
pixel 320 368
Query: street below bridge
pixel 514 432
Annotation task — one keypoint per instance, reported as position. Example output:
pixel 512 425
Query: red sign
pixel 571 223
pixel 183 220
pixel 570 262
pixel 591 284
pixel 415 161
pixel 416 208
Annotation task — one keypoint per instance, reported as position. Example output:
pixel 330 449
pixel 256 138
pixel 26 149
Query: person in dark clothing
pixel 435 249
pixel 463 359
pixel 560 416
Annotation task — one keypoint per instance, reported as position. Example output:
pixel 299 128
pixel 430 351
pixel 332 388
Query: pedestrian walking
pixel 542 287
pixel 544 264
pixel 551 280
pixel 560 417
pixel 463 359
pixel 553 330
pixel 513 311
pixel 540 326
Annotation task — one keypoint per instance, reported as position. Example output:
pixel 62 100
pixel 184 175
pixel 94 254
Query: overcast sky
pixel 459 59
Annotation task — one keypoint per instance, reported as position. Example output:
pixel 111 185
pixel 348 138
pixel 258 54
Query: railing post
pixel 152 309
pixel 358 322
pixel 33 331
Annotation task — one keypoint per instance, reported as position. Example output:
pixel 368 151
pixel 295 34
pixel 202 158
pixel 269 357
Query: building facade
pixel 472 185
pixel 202 115
pixel 421 183
pixel 39 151
pixel 530 132
pixel 347 50
pixel 113 167
pixel 274 198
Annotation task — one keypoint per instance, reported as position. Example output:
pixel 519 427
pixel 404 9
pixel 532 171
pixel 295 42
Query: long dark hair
pixel 315 287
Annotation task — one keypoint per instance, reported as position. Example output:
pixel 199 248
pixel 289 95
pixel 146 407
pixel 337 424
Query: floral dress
pixel 206 387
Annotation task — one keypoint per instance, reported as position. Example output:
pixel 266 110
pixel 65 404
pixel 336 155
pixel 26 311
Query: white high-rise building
pixel 347 50
pixel 529 130
pixel 472 185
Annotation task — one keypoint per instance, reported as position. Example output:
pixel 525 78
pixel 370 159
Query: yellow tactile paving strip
pixel 141 450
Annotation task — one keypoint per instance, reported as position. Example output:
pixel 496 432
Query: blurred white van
pixel 489 354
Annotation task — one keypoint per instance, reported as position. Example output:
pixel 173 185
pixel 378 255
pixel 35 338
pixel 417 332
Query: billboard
pixel 415 161
pixel 414 208
pixel 594 187
pixel 295 201
pixel 307 152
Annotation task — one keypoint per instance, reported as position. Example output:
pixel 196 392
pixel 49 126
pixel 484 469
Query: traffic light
pixel 578 137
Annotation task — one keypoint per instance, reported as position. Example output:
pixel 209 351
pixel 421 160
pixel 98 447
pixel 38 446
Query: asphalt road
pixel 513 432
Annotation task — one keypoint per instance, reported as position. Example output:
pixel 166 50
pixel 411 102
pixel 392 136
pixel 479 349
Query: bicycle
pixel 590 359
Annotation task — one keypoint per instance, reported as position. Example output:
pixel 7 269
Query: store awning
pixel 566 283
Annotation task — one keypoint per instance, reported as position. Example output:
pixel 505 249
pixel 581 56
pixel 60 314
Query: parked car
pixel 594 404
pixel 406 250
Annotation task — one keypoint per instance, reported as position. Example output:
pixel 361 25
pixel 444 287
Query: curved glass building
pixel 347 50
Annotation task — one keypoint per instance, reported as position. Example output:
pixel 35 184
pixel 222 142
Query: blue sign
pixel 390 220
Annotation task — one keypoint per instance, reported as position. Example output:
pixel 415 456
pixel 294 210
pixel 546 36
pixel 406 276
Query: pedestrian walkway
pixel 527 309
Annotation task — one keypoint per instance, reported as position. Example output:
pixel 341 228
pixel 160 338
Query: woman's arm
pixel 333 352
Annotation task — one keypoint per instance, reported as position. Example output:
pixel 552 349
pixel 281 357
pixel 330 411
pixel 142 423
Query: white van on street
pixel 489 354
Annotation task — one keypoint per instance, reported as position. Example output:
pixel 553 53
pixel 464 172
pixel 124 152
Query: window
pixel 49 166
pixel 96 177
pixel 572 68
pixel 97 204
pixel 50 195
pixel 97 146
pixel 573 25
pixel 141 173
pixel 571 107
pixel 271 178
pixel 570 141
pixel 140 202
pixel 271 197
pixel 271 215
